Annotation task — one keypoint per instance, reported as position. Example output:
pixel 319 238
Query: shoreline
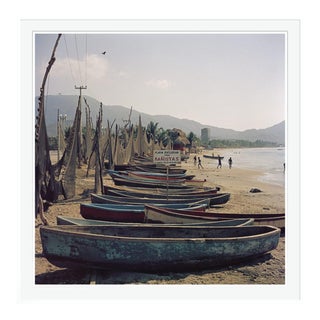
pixel 268 269
pixel 239 182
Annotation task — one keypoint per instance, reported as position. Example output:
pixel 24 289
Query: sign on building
pixel 166 156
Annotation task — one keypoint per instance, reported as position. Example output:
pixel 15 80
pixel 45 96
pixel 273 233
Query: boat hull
pixel 106 213
pixel 145 192
pixel 154 248
pixel 215 199
pixel 162 215
pixel 273 219
pixel 124 213
pixel 62 220
pixel 212 157
pixel 132 200
pixel 119 181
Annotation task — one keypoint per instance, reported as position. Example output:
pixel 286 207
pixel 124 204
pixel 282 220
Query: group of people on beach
pixel 219 162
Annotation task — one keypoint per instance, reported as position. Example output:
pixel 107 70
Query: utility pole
pixel 80 133
pixel 60 131
pixel 80 88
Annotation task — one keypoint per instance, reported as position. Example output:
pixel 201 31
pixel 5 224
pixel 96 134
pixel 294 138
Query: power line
pixel 73 78
pixel 80 71
pixel 77 51
pixel 86 68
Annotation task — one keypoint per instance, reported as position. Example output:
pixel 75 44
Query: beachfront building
pixel 205 136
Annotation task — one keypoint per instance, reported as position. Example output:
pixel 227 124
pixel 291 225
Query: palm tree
pixel 151 130
pixel 191 137
pixel 162 136
pixel 173 135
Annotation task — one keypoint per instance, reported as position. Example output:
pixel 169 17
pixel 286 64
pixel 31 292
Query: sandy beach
pixel 268 269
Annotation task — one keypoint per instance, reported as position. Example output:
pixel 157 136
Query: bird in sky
pixel 104 52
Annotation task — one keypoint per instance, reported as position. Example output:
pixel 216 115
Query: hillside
pixel 67 105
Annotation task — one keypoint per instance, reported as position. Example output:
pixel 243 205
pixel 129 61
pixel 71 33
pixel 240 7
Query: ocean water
pixel 267 160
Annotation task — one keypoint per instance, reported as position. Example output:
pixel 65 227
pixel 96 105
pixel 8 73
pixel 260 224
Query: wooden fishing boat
pixel 156 168
pixel 118 213
pixel 126 213
pixel 133 166
pixel 133 194
pixel 138 177
pixel 162 215
pixel 152 175
pixel 272 219
pixel 160 193
pixel 212 157
pixel 142 175
pixel 160 176
pixel 154 248
pixel 172 191
pixel 63 220
pixel 213 200
pixel 129 181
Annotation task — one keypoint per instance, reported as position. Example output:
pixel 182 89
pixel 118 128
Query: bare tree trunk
pixel 42 158
pixel 41 211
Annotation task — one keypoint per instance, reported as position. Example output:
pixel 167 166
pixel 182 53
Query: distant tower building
pixel 205 135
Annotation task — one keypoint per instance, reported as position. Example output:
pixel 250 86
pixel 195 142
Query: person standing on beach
pixel 230 163
pixel 195 160
pixel 219 162
pixel 199 163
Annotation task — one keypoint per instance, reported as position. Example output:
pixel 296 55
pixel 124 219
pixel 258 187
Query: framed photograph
pixel 100 97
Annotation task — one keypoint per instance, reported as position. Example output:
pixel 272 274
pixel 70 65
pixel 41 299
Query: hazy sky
pixel 234 81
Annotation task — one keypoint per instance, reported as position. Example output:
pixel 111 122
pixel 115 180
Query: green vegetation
pixel 194 140
pixel 151 130
pixel 217 143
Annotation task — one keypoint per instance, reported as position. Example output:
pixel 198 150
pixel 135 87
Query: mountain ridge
pixel 66 104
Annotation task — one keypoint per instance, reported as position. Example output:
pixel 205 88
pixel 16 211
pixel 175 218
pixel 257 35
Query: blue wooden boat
pixel 146 191
pixel 102 198
pixel 211 200
pixel 134 194
pixel 154 248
